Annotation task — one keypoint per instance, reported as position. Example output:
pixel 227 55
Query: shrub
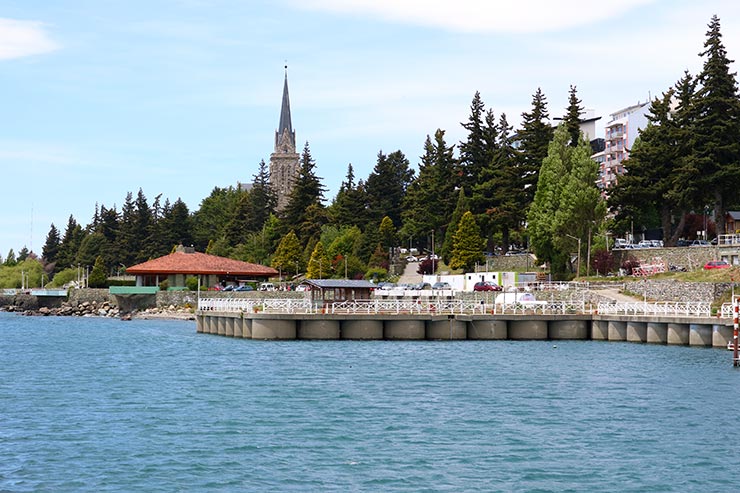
pixel 192 283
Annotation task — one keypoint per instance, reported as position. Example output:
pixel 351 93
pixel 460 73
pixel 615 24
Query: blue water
pixel 90 404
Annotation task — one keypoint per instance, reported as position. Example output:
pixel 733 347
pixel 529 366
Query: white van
pixel 267 286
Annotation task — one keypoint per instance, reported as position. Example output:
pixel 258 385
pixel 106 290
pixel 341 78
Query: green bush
pixel 376 274
pixel 192 283
pixel 164 285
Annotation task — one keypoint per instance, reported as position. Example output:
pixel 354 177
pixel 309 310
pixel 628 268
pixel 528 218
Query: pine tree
pixel 717 128
pixel 350 204
pixel 500 196
pixel 307 191
pixel 288 256
pixel 430 198
pixel 462 206
pixel 473 152
pixel 209 221
pixel 263 199
pixel 71 241
pixel 98 277
pixel 51 246
pixel 10 260
pixel 572 117
pixel 467 247
pixel 386 186
pixel 534 138
pixel 319 266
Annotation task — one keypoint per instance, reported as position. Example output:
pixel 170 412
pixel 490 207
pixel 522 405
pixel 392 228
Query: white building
pixel 620 134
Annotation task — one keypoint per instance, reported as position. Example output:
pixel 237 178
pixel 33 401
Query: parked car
pixel 441 285
pixel 422 286
pixel 716 264
pixel 645 244
pixel 700 243
pixel 244 287
pixel 267 286
pixel 303 287
pixel 411 258
pixel 486 286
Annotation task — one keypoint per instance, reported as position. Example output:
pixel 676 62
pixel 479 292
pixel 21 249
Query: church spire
pixel 285 122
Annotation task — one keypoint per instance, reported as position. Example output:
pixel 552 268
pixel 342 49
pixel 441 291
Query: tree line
pixel 534 187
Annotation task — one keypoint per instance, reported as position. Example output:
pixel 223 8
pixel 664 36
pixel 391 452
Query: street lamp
pixel 578 266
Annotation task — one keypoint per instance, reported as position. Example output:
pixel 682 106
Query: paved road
pixel 410 275
pixel 615 295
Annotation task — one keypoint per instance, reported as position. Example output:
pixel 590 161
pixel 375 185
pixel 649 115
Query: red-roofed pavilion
pixel 185 262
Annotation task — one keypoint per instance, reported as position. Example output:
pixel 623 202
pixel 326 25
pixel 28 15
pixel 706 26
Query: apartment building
pixel 619 135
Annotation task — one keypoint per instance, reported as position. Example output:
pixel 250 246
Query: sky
pixel 176 97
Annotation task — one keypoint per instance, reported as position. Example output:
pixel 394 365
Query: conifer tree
pixel 263 199
pixel 534 138
pixel 430 198
pixel 307 191
pixel 289 255
pixel 462 206
pixel 98 277
pixel 51 246
pixel 386 186
pixel 467 247
pixel 71 241
pixel 572 117
pixel 319 266
pixel 717 126
pixel 10 260
pixel 473 152
pixel 350 204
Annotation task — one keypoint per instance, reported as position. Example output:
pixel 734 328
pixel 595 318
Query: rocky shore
pixel 102 309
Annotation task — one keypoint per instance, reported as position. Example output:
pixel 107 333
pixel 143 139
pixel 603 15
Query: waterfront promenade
pixel 660 323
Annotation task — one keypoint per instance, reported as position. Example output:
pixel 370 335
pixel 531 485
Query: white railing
pixel 686 309
pixel 228 304
pixel 290 305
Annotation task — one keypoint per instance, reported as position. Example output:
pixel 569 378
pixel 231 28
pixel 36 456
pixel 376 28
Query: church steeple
pixel 284 160
pixel 285 129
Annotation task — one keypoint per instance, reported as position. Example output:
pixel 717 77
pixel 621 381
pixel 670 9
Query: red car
pixel 716 264
pixel 486 286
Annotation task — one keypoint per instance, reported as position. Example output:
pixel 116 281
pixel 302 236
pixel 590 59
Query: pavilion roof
pixel 200 263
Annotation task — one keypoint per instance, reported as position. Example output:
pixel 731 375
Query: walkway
pixel 615 295
pixel 410 276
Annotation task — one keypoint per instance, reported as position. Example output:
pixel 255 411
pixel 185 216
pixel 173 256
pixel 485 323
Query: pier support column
pixel 528 329
pixel 568 329
pixel 700 335
pixel 221 325
pixel 318 329
pixel 657 333
pixel 272 329
pixel 229 326
pixel 636 331
pixel 678 334
pixel 488 330
pixel 404 329
pixel 246 328
pixel 238 325
pixel 721 335
pixel 599 330
pixel 617 330
pixel 200 323
pixel 447 329
pixel 362 329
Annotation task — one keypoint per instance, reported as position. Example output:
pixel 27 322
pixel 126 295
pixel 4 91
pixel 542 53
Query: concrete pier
pixel 700 335
pixel 362 329
pixel 528 329
pixel 568 329
pixel 678 334
pixel 617 330
pixel 318 328
pixel 404 329
pixel 721 335
pixel 600 330
pixel 636 331
pixel 273 329
pixel 446 329
pixel 657 332
pixel 487 329
pixel 678 330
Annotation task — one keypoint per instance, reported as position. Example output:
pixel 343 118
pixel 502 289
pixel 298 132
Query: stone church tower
pixel 284 160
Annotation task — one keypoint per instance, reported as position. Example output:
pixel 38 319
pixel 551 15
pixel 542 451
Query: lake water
pixel 89 404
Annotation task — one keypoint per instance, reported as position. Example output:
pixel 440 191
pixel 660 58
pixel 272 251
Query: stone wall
pixel 691 258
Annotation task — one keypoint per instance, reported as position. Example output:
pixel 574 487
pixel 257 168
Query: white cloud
pixel 23 38
pixel 481 15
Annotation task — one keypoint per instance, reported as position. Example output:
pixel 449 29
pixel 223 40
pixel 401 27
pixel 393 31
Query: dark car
pixel 486 286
